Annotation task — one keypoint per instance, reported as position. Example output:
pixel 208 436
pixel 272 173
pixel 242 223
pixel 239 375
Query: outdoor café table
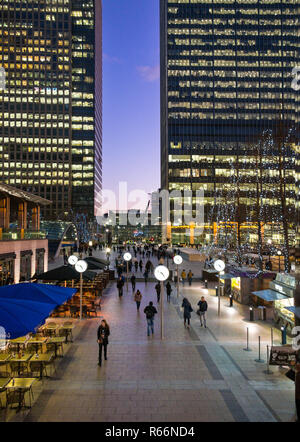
pixel 19 341
pixel 44 358
pixel 37 342
pixel 52 328
pixel 56 341
pixel 4 358
pixel 24 357
pixel 20 384
pixel 68 329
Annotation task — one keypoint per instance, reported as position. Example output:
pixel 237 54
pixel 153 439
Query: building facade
pixel 50 107
pixel 228 111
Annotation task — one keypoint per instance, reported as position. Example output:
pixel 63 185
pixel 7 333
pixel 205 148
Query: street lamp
pixel 279 255
pixel 177 261
pixel 270 243
pixel 219 265
pixel 161 273
pixel 81 266
pixel 127 257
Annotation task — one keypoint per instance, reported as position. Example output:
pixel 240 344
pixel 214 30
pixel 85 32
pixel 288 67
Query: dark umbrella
pixel 64 273
pixel 95 265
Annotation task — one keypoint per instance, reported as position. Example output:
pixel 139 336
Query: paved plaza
pixel 193 375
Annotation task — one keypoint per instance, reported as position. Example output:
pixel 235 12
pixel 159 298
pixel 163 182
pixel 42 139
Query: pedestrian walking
pixel 150 312
pixel 183 276
pixel 202 311
pixel 187 310
pixel 158 290
pixel 138 298
pixel 169 290
pixel 146 275
pixel 102 335
pixel 190 277
pixel 120 285
pixel 136 265
pixel 141 265
pixel 133 282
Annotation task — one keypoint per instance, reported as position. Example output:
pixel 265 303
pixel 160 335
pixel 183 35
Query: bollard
pixel 251 314
pixel 272 338
pixel 216 290
pixel 268 371
pixel 283 335
pixel 247 348
pixel 206 284
pixel 230 300
pixel 259 358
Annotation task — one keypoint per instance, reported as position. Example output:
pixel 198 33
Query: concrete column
pixel 22 215
pixel 33 262
pixel 17 264
pixel 4 212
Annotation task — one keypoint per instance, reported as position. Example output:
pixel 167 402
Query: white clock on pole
pixel 72 260
pixel 127 256
pixel 161 273
pixel 219 265
pixel 177 260
pixel 81 266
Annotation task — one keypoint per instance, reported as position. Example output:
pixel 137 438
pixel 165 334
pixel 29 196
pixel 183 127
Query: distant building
pixel 51 106
pixel 23 247
pixel 226 72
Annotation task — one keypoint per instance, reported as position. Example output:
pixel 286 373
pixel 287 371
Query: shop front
pixel 7 264
pixel 25 265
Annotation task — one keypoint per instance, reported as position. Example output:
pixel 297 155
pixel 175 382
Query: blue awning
pixel 269 295
pixel 25 307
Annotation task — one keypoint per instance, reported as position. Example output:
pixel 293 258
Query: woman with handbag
pixel 103 333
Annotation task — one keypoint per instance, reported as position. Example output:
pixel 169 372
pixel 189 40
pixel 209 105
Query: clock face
pixel 161 273
pixel 219 265
pixel 72 260
pixel 177 260
pixel 81 266
pixel 127 256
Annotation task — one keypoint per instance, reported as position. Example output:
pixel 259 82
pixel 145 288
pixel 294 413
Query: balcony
pixel 20 234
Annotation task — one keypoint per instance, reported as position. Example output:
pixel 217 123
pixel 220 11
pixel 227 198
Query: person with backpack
pixel 187 310
pixel 169 290
pixel 138 298
pixel 150 311
pixel 183 276
pixel 202 311
pixel 133 282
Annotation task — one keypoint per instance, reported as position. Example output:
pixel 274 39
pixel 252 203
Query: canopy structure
pixel 95 265
pixel 63 273
pixel 97 260
pixel 25 307
pixel 269 295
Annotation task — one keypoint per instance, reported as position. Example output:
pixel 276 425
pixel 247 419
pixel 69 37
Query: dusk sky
pixel 131 112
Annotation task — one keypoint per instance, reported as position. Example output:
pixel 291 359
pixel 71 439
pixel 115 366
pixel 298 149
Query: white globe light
pixel 81 266
pixel 72 260
pixel 177 260
pixel 219 265
pixel 127 256
pixel 161 273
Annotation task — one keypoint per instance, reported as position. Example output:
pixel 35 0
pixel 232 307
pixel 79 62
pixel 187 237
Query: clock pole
pixel 80 296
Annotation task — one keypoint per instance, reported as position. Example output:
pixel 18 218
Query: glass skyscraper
pixel 50 109
pixel 226 72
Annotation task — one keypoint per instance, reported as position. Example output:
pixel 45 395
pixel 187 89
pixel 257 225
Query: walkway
pixel 196 375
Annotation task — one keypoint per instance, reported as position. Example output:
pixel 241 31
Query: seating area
pixel 91 298
pixel 26 359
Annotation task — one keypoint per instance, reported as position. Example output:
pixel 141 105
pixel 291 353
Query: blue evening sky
pixel 131 112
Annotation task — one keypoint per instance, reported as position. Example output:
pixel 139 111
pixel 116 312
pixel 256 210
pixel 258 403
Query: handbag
pixel 198 312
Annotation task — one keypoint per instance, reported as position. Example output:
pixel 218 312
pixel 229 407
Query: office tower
pixel 50 111
pixel 226 72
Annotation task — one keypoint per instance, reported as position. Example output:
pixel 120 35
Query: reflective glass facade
pixel 47 115
pixel 226 72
